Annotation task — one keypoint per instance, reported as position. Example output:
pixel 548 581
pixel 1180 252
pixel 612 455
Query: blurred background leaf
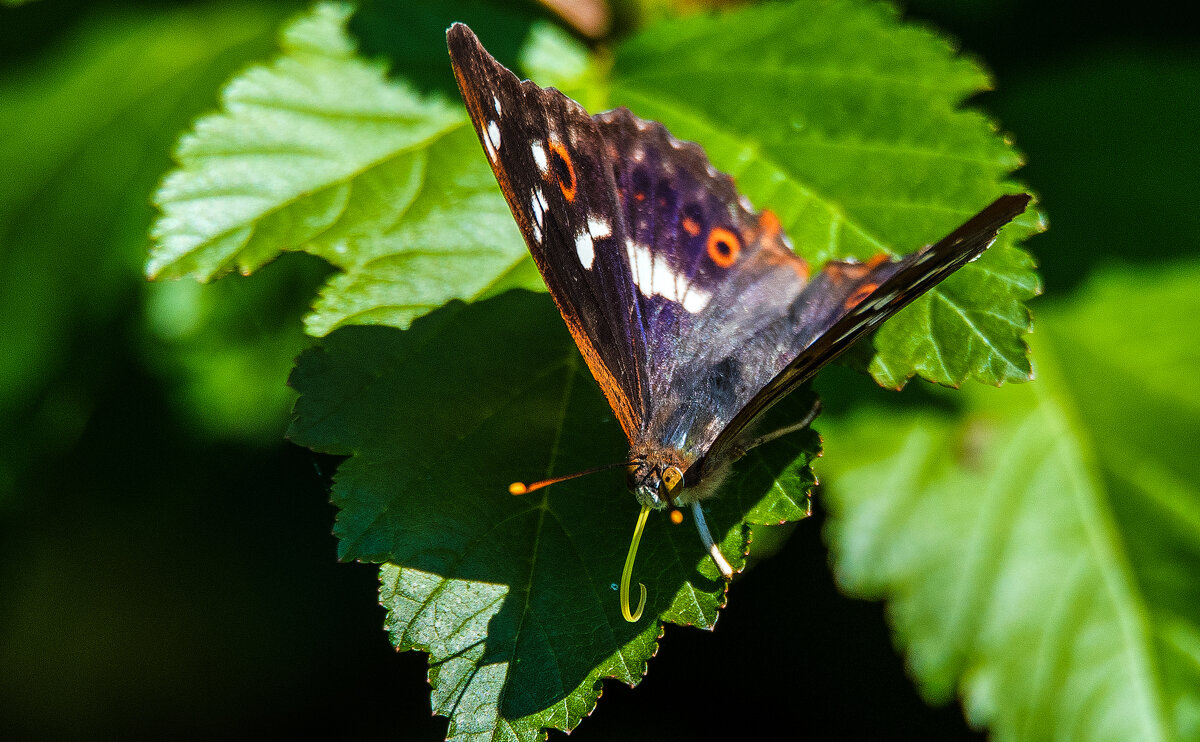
pixel 1039 546
pixel 161 576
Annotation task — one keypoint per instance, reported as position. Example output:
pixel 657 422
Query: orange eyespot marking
pixel 723 247
pixel 769 223
pixel 691 226
pixel 563 169
pixel 861 293
pixel 640 196
pixel 517 488
pixel 676 517
pixel 878 260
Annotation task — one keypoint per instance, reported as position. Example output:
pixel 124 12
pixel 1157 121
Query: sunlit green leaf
pixel 321 152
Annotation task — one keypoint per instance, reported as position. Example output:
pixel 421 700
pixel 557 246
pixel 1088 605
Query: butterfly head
pixel 656 483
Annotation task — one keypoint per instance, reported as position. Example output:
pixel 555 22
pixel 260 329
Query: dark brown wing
pixel 549 159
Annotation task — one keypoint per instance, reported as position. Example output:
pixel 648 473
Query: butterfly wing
pixel 711 275
pixel 691 309
pixel 730 319
pixel 548 156
pixel 846 301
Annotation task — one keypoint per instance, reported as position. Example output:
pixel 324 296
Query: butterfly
pixel 691 309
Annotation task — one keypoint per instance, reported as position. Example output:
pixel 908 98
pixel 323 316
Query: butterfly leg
pixel 705 536
pixel 753 443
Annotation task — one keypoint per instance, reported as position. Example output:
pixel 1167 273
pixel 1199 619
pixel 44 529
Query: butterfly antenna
pixel 705 536
pixel 520 488
pixel 627 572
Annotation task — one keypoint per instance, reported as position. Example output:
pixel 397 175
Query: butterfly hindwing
pixel 846 301
pixel 710 273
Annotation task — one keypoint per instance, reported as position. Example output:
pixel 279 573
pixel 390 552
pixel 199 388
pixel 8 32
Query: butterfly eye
pixel 723 247
pixel 672 478
pixel 631 478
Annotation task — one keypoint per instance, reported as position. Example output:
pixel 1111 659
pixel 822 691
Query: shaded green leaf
pixel 1126 110
pixel 1039 551
pixel 514 598
pixel 412 34
pixel 850 126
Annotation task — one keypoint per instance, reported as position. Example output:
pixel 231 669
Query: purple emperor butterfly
pixel 691 309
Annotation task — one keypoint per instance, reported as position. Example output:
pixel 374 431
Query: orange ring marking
pixel 558 149
pixel 720 236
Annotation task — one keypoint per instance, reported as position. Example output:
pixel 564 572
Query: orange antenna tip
pixel 520 488
pixel 676 516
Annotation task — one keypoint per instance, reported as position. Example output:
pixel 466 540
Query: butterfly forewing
pixel 549 159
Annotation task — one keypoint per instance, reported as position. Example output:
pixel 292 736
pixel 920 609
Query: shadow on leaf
pixel 437 421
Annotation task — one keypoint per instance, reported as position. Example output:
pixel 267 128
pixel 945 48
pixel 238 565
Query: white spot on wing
pixel 496 103
pixel 662 280
pixel 493 132
pixel 653 276
pixel 695 301
pixel 585 249
pixel 539 156
pixel 537 205
pixel 599 227
pixel 640 266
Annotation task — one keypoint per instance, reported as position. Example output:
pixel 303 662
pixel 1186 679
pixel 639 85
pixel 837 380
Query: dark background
pixel 164 578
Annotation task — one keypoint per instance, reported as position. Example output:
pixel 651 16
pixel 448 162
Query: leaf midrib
pixel 1103 538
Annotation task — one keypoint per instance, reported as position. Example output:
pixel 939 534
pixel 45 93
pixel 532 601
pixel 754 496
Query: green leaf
pixel 412 34
pixel 851 127
pixel 514 598
pixel 1039 551
pixel 320 152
